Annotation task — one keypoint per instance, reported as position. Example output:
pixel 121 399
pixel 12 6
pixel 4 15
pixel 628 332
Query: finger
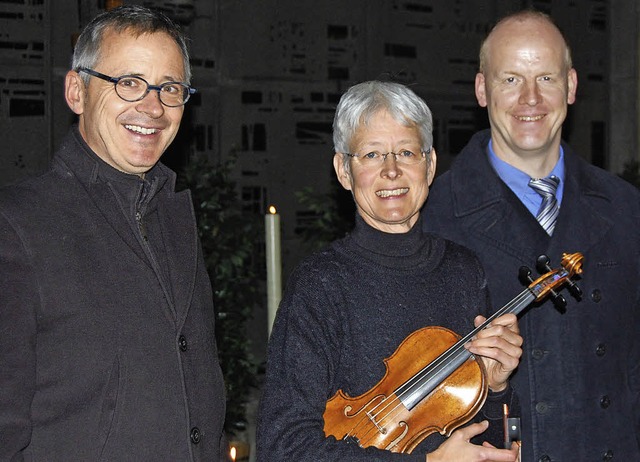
pixel 479 320
pixel 470 431
pixel 507 354
pixel 510 333
pixel 507 320
pixel 496 454
pixel 491 346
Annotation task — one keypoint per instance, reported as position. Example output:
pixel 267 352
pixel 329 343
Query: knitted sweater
pixel 346 309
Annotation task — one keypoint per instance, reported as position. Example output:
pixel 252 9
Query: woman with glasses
pixel 348 307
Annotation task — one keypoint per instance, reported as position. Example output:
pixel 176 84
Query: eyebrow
pixel 167 78
pixel 399 142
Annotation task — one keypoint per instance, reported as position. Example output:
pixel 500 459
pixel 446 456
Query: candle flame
pixel 232 453
pixel 272 210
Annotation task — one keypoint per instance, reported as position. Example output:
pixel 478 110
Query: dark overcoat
pixel 579 378
pixel 107 348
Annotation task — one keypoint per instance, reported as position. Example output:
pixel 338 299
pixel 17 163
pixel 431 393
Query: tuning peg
pixel 524 275
pixel 574 289
pixel 542 264
pixel 558 301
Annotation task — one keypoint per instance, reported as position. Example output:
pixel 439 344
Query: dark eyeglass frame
pixel 114 80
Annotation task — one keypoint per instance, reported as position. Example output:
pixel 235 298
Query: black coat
pixel 106 339
pixel 579 378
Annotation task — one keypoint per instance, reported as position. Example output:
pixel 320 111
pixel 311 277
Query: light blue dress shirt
pixel 518 181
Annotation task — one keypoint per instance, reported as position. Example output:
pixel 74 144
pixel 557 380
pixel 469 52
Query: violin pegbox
pixel 552 279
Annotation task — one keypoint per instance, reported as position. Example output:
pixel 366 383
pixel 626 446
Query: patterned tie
pixel 548 213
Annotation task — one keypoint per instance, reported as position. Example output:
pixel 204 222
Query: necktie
pixel 549 209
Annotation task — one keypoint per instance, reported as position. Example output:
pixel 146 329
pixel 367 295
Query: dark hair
pixel 135 19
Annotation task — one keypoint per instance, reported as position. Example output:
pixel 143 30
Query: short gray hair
pixel 364 100
pixel 135 19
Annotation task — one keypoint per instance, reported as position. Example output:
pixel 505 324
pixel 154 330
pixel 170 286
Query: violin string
pixel 512 307
pixel 516 305
pixel 370 427
pixel 390 407
pixel 520 301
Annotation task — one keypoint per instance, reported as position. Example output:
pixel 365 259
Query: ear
pixel 432 159
pixel 74 92
pixel 572 84
pixel 481 90
pixel 344 176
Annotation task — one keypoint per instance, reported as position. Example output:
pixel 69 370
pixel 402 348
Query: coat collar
pixel 472 171
pixel 175 211
pixel 499 216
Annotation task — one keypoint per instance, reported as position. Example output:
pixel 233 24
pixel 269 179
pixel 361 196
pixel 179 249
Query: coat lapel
pixel 498 218
pixel 177 221
pixel 581 223
pixel 495 215
pixel 105 201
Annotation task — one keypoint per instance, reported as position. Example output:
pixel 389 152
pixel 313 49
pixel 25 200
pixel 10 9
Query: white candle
pixel 274 266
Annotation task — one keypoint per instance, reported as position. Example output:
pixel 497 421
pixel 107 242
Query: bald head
pixel 526 83
pixel 524 24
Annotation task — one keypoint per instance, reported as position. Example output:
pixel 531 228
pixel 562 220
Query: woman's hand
pixel 499 346
pixel 458 448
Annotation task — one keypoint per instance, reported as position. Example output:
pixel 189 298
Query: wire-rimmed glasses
pixel 375 159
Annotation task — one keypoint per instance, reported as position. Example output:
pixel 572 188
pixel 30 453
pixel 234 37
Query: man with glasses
pixel 107 345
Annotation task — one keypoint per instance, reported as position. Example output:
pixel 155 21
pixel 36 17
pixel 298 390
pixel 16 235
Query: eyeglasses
pixel 132 88
pixel 375 159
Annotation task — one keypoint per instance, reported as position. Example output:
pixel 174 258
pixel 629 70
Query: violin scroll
pixel 432 383
pixel 547 283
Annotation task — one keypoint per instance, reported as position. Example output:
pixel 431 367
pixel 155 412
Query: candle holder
pixel 239 451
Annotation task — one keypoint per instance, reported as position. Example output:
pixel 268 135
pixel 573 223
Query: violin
pixel 432 383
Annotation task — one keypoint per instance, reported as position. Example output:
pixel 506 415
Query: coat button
pixel 195 435
pixel 182 342
pixel 537 353
pixel 605 402
pixel 542 407
pixel 544 458
pixel 607 455
pixel 601 349
pixel 596 295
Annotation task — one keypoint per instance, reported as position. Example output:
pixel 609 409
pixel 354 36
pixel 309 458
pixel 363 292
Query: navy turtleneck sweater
pixel 346 309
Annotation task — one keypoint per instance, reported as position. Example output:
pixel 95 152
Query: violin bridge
pixel 380 428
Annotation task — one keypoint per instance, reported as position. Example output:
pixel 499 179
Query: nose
pixel 530 94
pixel 390 167
pixel 151 104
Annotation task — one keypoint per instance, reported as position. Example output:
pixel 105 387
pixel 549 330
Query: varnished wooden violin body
pixel 432 383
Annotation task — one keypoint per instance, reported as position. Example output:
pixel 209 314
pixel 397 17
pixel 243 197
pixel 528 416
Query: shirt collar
pixel 518 181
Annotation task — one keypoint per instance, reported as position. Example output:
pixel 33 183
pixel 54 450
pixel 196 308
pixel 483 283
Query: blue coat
pixel 579 377
pixel 107 346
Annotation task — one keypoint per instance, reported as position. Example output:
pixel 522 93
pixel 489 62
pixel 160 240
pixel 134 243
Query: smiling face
pixel 526 85
pixel 129 136
pixel 389 196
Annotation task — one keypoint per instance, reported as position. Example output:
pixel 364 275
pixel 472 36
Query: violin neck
pixel 515 306
pixel 425 381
